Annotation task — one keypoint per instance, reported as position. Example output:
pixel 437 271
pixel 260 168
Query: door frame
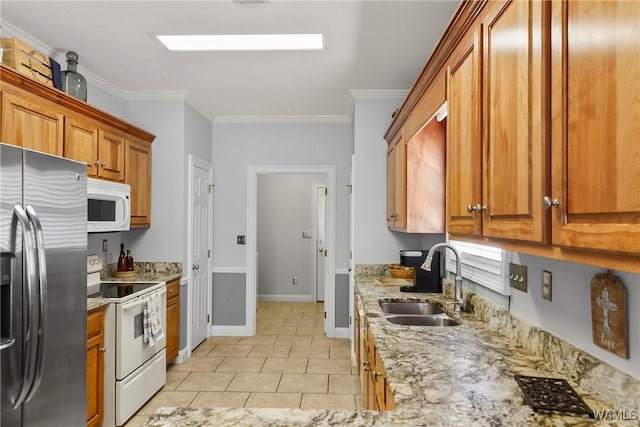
pixel 196 161
pixel 314 187
pixel 251 240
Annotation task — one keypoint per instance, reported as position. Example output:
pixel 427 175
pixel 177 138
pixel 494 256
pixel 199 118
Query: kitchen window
pixel 485 265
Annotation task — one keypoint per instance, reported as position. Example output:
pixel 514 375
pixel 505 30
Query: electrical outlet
pixel 546 284
pixel 518 277
pixel 241 240
pixel 104 245
pixel 295 281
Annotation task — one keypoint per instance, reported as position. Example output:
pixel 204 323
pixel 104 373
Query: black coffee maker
pixel 423 280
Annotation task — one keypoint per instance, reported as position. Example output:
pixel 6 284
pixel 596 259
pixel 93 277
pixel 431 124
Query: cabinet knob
pixel 470 208
pixel 96 162
pixel 547 203
pixel 480 207
pixel 103 349
pixel 104 164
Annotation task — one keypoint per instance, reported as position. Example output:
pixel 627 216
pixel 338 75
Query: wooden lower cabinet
pixel 95 366
pixel 376 392
pixel 173 319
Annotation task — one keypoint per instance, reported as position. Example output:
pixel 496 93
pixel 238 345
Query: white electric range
pixel 133 370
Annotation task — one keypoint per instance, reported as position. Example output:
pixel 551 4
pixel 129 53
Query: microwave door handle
pixel 31 315
pixel 42 297
pixel 126 211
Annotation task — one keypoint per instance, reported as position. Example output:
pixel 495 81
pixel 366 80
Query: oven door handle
pixel 141 300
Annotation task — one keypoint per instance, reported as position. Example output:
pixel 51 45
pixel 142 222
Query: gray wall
pixel 285 210
pixel 374 243
pixel 229 299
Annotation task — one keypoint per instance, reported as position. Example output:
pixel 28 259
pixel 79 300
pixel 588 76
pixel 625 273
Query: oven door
pixel 132 352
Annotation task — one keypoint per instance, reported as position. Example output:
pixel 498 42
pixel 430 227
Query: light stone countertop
pixel 441 376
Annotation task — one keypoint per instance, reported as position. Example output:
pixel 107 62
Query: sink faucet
pixel 458 301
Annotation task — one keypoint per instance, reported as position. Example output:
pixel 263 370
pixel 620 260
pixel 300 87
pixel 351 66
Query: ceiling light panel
pixel 241 42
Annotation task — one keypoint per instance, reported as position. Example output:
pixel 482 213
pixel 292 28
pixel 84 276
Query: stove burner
pixel 121 289
pixel 552 394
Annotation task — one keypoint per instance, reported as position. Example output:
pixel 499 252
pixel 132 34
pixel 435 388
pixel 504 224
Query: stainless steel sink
pixel 410 307
pixel 422 320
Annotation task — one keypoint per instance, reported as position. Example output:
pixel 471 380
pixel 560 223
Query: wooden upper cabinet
pixel 102 150
pixel 30 123
pixel 596 125
pixel 138 176
pixel 515 126
pixel 396 183
pixel 464 155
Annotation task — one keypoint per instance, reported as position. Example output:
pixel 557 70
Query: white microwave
pixel 108 206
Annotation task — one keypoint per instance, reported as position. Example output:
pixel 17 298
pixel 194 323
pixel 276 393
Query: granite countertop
pixel 444 376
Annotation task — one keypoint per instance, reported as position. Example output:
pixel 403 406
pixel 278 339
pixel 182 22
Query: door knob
pixel 547 203
pixel 195 267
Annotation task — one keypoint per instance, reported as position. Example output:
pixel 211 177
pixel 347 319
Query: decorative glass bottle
pixel 73 82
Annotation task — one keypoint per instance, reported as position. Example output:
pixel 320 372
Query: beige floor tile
pixel 340 352
pixel 231 350
pixel 281 365
pixel 241 364
pixel 262 314
pixel 309 351
pixel 274 400
pixel 280 330
pixel 198 364
pixel 359 403
pixel 293 340
pixel 167 398
pixel 329 366
pixel 312 315
pixel 273 322
pixel 344 384
pixel 202 350
pixel 217 399
pixel 139 420
pixel 288 315
pixel 174 378
pixel 304 383
pixel 304 307
pixel 222 340
pixel 319 322
pixel 267 383
pixel 310 331
pixel 328 401
pixel 300 322
pixel 270 351
pixel 334 342
pixel 206 382
pixel 260 340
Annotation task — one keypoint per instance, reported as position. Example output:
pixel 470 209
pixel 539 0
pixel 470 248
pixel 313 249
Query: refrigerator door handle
pixel 31 315
pixel 42 312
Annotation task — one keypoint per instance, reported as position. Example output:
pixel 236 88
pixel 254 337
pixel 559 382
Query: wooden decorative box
pixel 26 60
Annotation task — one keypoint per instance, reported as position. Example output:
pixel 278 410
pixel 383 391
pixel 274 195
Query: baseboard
pixel 229 331
pixel 342 333
pixel 286 298
pixel 183 355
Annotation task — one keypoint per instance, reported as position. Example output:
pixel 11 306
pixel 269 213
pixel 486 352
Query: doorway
pixel 328 172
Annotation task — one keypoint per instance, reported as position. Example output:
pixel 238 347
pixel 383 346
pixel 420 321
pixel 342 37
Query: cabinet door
pixel 173 320
pixel 596 125
pixel 391 175
pixel 111 146
pixel 81 143
pixel 515 127
pixel 464 161
pixel 31 123
pixel 400 185
pixel 95 367
pixel 138 176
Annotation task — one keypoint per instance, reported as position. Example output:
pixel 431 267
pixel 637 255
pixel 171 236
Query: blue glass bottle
pixel 73 82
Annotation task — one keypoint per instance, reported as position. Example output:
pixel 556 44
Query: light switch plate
pixel 546 284
pixel 518 277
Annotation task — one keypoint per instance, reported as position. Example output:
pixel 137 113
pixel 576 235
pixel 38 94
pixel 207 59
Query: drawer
pixel 173 289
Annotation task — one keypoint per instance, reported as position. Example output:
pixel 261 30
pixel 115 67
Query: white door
pixel 200 282
pixel 320 234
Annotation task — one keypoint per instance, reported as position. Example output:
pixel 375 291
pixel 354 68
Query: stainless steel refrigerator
pixel 43 298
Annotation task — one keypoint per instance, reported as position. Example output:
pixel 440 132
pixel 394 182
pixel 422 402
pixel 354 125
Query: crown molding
pixel 360 94
pixel 282 119
pixel 9 29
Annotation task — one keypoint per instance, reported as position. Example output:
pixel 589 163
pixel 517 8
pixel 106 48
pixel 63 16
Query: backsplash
pixel 143 267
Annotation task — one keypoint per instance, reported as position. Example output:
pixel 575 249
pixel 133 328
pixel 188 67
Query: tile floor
pixel 289 363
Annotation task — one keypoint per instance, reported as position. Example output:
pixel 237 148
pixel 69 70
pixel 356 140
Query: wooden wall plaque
pixel 609 314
